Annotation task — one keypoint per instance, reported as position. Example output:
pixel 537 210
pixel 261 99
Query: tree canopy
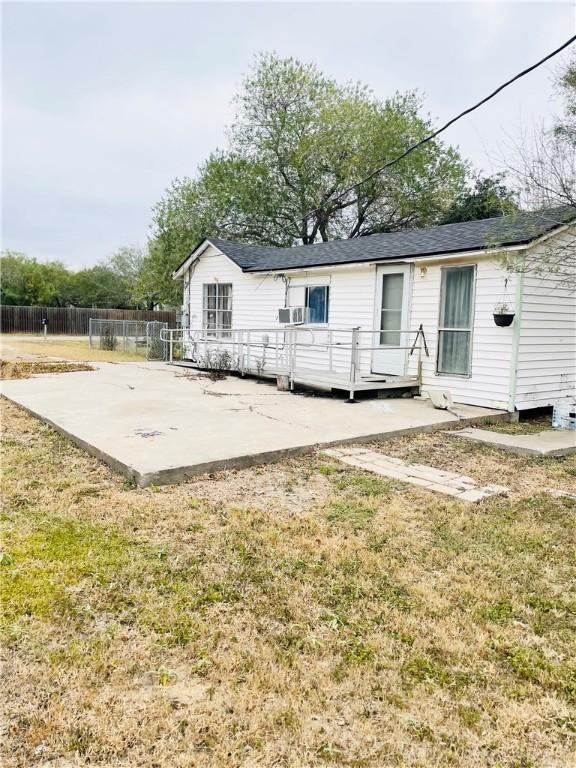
pixel 566 125
pixel 298 138
pixel 26 281
pixel 488 197
pixel 543 165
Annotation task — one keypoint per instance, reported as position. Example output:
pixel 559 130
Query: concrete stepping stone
pixel 453 484
pixel 561 494
pixel 559 442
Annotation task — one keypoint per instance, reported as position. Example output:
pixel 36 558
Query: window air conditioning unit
pixel 292 315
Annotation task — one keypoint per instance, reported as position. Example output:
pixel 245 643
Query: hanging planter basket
pixel 503 319
pixel 503 311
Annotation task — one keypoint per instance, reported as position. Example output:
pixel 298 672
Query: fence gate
pixel 156 348
pixel 135 337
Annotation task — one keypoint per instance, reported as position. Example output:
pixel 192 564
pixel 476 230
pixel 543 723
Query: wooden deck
pixel 333 380
pixel 329 380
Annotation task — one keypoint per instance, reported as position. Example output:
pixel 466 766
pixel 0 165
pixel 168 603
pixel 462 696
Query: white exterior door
pixel 391 319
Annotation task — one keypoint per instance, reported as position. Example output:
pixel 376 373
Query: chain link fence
pixel 138 337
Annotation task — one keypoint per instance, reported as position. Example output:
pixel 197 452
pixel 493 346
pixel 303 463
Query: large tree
pixel 487 197
pixel 26 281
pixel 100 286
pixel 130 264
pixel 299 138
pixel 566 125
pixel 544 166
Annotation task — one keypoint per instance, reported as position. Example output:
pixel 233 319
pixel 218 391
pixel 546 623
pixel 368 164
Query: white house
pixel 444 280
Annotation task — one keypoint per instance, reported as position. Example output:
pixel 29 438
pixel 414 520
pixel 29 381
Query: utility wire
pixel 433 135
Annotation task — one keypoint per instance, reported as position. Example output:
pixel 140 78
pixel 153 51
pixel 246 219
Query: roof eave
pixel 408 258
pixel 195 254
pixel 457 253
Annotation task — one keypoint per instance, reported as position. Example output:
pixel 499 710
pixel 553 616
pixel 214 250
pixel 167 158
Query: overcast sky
pixel 104 103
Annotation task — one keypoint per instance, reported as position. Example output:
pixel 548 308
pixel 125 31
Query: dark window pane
pixel 317 303
pixel 454 352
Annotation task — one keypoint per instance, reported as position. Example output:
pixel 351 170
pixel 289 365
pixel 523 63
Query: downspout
pixel 516 337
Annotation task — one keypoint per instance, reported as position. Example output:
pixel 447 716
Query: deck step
pixel 339 381
pixel 331 379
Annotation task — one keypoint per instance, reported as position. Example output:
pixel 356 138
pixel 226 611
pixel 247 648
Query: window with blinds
pixel 217 307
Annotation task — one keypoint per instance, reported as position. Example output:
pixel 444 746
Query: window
pixel 455 327
pixel 391 310
pixel 316 301
pixel 217 306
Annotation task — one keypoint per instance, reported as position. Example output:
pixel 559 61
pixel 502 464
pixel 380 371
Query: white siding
pixel 255 298
pixel 546 368
pixel 489 382
pixel 351 305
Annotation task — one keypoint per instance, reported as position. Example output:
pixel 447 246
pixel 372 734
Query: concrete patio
pixel 160 424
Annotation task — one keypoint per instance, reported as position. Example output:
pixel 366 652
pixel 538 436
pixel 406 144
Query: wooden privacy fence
pixel 70 320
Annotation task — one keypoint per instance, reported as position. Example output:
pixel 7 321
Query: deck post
pixel 276 361
pixel 248 350
pixel 353 363
pixel 292 356
pixel 241 352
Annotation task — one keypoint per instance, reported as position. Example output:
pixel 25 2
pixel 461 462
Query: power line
pixel 433 135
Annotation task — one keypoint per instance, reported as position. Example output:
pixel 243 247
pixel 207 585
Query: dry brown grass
pixel 12 369
pixel 59 348
pixel 539 422
pixel 295 615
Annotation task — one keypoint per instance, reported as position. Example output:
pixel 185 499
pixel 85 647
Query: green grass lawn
pixel 301 614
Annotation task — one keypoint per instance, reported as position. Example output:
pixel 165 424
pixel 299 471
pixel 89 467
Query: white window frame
pixel 326 288
pixel 220 328
pixel 442 327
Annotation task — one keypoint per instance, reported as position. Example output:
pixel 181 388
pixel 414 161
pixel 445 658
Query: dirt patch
pixel 528 426
pixel 10 369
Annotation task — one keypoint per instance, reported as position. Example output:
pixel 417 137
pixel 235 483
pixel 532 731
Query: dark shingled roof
pixel 517 229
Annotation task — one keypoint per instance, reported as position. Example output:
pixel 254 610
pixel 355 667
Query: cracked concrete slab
pixel 157 424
